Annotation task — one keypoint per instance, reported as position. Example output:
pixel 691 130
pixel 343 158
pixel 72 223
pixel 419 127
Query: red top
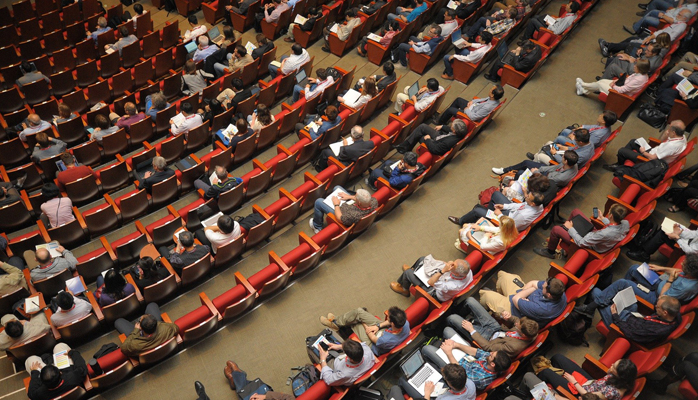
pixel 72 174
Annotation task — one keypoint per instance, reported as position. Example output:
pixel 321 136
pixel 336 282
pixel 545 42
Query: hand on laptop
pixel 428 389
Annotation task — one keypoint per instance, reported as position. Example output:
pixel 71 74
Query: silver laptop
pixel 215 35
pixel 190 47
pixel 413 90
pixel 418 372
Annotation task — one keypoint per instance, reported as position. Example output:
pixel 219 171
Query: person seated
pixel 48 381
pixel 460 386
pixel 223 183
pixel 346 213
pixel 64 114
pixel 401 175
pixel 386 39
pixel 496 24
pixel 438 140
pixel 146 334
pixel 47 147
pixel 271 14
pixel 552 151
pixel 483 45
pixel 160 173
pixel 237 379
pixel 131 116
pixel 560 174
pixel 381 335
pixel 368 92
pixel 230 98
pixel 421 47
pixel 679 283
pixel 449 24
pixel 424 97
pixel 260 118
pixel 8 194
pixel 72 172
pixel 102 128
pixel 557 27
pixel 662 5
pixel 191 120
pixel 185 253
pixel 236 60
pixel 654 18
pixel 348 153
pixel 13 278
pixel 320 125
pixel 154 103
pixel 244 131
pixel 264 45
pixel 600 240
pixel 483 371
pixel 679 236
pixel 348 367
pixel 622 64
pixel 69 309
pixel 476 109
pixel 204 49
pixel 112 287
pixel 673 143
pixel 619 379
pixel 126 39
pixel 522 59
pixel 42 265
pixel 667 92
pixel 406 14
pixel 314 87
pixel 17 331
pixel 101 27
pixel 630 44
pixel 344 29
pixel 448 279
pixel 464 9
pixel 685 369
pixel 541 301
pixel 631 86
pixel 31 125
pixel 485 331
pixel 523 214
pixel 598 134
pixel 495 240
pixel 313 14
pixel 148 272
pixel 194 80
pixel 139 11
pixel 195 30
pixel 290 64
pixel 30 74
pixel 223 232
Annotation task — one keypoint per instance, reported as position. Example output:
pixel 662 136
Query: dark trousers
pixel 480 211
pixel 688 368
pixel 564 363
pixel 523 165
pixel 629 152
pixel 614 48
pixel 666 94
pixel 126 327
pixel 378 173
pixel 458 104
pixel 201 236
pixel 322 161
pixel 689 192
pixel 408 278
pixel 415 137
pixel 534 24
pixel 477 27
pixel 497 64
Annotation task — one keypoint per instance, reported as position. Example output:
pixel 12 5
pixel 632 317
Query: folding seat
pixel 339 47
pixel 180 56
pixel 12 152
pixel 87 74
pixel 128 248
pixel 33 179
pixel 361 165
pixel 5 16
pixel 99 220
pixel 228 252
pixel 163 63
pixel 63 61
pixel 71 234
pixel 30 29
pixel 222 120
pixel 38 345
pixel 241 23
pixel 87 153
pixel 264 62
pixel 171 148
pixel 9 56
pixel 83 327
pixel 114 143
pixel 132 204
pixel 645 361
pixel 50 286
pixel 131 54
pixel 382 148
pixel 115 368
pixel 199 322
pixel 114 176
pixel 121 83
pixel 48 166
pixel 268 135
pixel 10 100
pixel 162 119
pixel 9 299
pixel 305 39
pixel 46 110
pixel 99 92
pixel 104 39
pixel 75 34
pixel 196 271
pixel 123 308
pixel 44 7
pixel 23 10
pixel 187 177
pixel 260 232
pixel 27 241
pixel 272 30
pixel 185 7
pixel 285 167
pixel 245 148
pixel 260 182
pixel 83 190
pixel 77 101
pixel 152 45
pixel 247 106
pixel 289 213
pixel 142 73
pixel 144 26
pixel 214 10
pixel 171 86
pixel 161 232
pixel 272 278
pixel 160 290
pixel 164 192
pixel 170 34
pixel 10 34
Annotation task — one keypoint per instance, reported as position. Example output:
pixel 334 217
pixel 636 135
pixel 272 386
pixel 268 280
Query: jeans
pixel 126 327
pixel 633 278
pixel 661 5
pixel 240 380
pixel 473 215
pixel 688 367
pixel 560 236
pixel 650 19
pixel 563 138
pixel 274 70
pixel 400 12
pixel 321 209
pixel 524 165
pixel 297 91
pixel 402 51
pixel 604 298
pixel 429 351
pixel 477 27
pixel 483 322
pixel 564 363
pixel 448 64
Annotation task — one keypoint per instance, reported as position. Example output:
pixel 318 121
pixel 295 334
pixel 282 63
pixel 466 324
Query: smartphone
pixel 595 212
pixel 518 282
pixel 643 288
pixel 324 346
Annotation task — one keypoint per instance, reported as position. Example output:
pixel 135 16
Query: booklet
pixel 249 46
pixel 300 20
pixel 668 225
pixel 452 5
pixel 213 179
pixel 542 392
pixel 334 28
pixel 178 120
pixel 75 285
pixel 685 87
pixel 351 96
pixel 491 215
pixel 51 247
pixel 651 276
pixel 328 199
pixel 61 359
pixel 230 131
pixel 374 37
pixel 31 305
pixel 335 146
pixel 624 299
pixel 312 127
pixel 523 179
pixel 643 143
pixel 549 20
pixel 457 354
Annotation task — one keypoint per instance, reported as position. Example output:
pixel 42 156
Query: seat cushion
pixel 158 224
pixel 109 361
pixel 230 297
pixel 298 253
pixel 323 237
pixel 96 209
pixel 125 239
pixel 91 255
pixel 417 311
pixel 25 236
pixel 267 274
pixel 193 318
pixel 184 211
pixel 207 157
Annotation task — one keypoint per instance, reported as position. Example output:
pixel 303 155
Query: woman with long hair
pixel 496 238
pixel 112 288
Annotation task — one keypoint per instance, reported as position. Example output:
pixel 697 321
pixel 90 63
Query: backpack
pixel 170 6
pixel 648 229
pixel 114 22
pixel 649 172
pixel 254 387
pixel 333 73
pixel 304 379
pixel 572 329
pixel 106 349
pixel 652 115
pixel 250 221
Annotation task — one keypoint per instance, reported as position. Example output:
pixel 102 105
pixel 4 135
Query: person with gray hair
pixel 204 49
pixel 155 102
pixel 160 173
pixel 347 208
pixel 349 151
pixel 213 187
pixel 31 125
pixel 445 278
pixel 99 29
pixel 438 140
pixel 673 143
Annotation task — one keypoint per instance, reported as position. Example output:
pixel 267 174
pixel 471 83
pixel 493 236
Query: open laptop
pixel 190 47
pixel 61 165
pixel 215 35
pixel 457 39
pixel 418 372
pixel 413 90
pixel 301 78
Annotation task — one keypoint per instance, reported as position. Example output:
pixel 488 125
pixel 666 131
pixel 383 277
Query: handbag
pixel 486 195
pixel 652 115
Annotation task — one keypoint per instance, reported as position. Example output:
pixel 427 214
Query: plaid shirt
pixel 476 370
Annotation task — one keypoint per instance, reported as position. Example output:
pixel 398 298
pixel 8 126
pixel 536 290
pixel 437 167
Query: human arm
pixel 447 268
pixel 571 379
pixel 522 295
pixel 69 257
pixel 13 275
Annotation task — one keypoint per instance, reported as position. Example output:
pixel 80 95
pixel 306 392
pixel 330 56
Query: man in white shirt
pixel 449 25
pixel 476 109
pixel 225 231
pixel 348 367
pixel 654 17
pixel 449 279
pixel 70 309
pixel 483 45
pixel 556 25
pixel 195 30
pixel 673 30
pixel 299 56
pixel 315 86
pixel 673 143
pixel 191 120
pixel 523 214
pixel 424 97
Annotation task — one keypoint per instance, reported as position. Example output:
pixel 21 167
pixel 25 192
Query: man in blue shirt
pixel 679 283
pixel 597 133
pixel 399 176
pixel 408 15
pixel 100 28
pixel 320 126
pixel 542 301
pixel 382 336
pixel 459 387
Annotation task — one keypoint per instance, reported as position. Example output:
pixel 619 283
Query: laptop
pixel 185 163
pixel 190 47
pixel 457 39
pixel 215 35
pixel 413 90
pixel 61 165
pixel 418 372
pixel 581 225
pixel 301 78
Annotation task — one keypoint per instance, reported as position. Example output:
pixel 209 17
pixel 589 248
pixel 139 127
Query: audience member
pixel 399 56
pixel 348 367
pixel 299 56
pixel 160 173
pixel 406 14
pixel 204 49
pixel 131 117
pixel 438 140
pixel 483 45
pixel 154 103
pixel 385 41
pixel 673 143
pixel 523 214
pixel 560 174
pixel 686 368
pixel 630 44
pixel 381 335
pixel 496 24
pixel 619 378
pixel 185 253
pixel 223 232
pixel 64 114
pixel 237 379
pixel 446 279
pixel 47 147
pixel 214 186
pixel 69 309
pixel 126 39
pixel 48 381
pixel 264 45
pixel 344 29
pixel 449 24
pixel 320 125
pixel 230 98
pixel 424 97
pixel 102 128
pixel 147 272
pixel 311 16
pixel 17 331
pixel 260 118
pixel 679 283
pixel 32 125
pixel 8 195
pixel 56 210
pixel 632 84
pixel 99 29
pixel 598 134
pixel 496 238
pixel 557 27
pixel 368 92
pixel 348 153
pixel 195 29
pixel 13 278
pixel 111 288
pixel 72 172
pixel 30 74
pixel 236 60
pixel 552 151
pixel 146 334
pixel 522 59
pixel 192 119
pixel 271 14
pixel 347 213
pixel 476 109
pixel 244 131
pixel 399 174
pixel 464 9
pixel 683 238
pixel 314 87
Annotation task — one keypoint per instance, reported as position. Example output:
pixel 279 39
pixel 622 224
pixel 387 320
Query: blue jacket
pixel 415 13
pixel 326 125
pixel 399 179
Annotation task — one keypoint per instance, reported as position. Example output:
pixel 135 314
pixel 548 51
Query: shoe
pixel 544 252
pixel 643 5
pixel 328 323
pixel 405 267
pixel 399 289
pixel 598 78
pixel 584 310
pixel 610 167
pixel 325 49
pixel 457 246
pixel 373 187
pixel 603 45
pixel 289 40
pixel 530 156
pixel 230 366
pixel 312 225
pixel 200 390
pixel 638 255
pixel 454 220
pixel 580 88
pixel 641 13
pixel 498 171
pixel 401 150
pixel 630 31
pixel 399 65
pixel 447 77
pixel 490 78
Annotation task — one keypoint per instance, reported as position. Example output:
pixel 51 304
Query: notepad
pixel 374 37
pixel 31 305
pixel 542 392
pixel 249 46
pixel 51 247
pixel 61 359
pixel 651 276
pixel 179 120
pixel 685 87
pixel 336 146
pixel 300 20
pixel 624 299
pixel 457 354
pixel 452 5
pixel 668 225
pixel 351 96
pixel 479 235
pixel 75 285
pixel 643 143
pixel 211 221
pixel 328 199
pixel 334 28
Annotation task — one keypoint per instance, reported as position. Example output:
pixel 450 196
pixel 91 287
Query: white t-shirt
pixel 80 309
pixel 670 149
pixel 218 239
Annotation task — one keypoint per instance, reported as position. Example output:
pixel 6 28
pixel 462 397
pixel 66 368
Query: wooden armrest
pixel 43 231
pixel 595 363
pixel 260 211
pixel 96 309
pixel 79 217
pixel 562 391
pixel 336 163
pixel 282 149
pixel 112 203
pixel 693 224
pixel 654 142
pixel 28 279
pixel 87 383
pixel 258 164
pixel 376 132
pixel 130 280
pixel 165 318
pixel 166 263
pixel 241 280
pixel 275 259
pixel 394 117
pixel 172 211
pixel 334 219
pixel 108 248
pixel 3 174
pixel 472 244
pixel 642 158
pixel 622 203
pixel 25 199
pixel 141 229
pixel 148 146
pixel 304 238
pixel 649 307
pixel 310 177
pixel 287 107
pixel 205 301
pixel 562 270
pixel 54 329
pixel 304 134
pixel 196 159
pixel 419 292
pixel 340 70
pixel 221 146
pixel 285 193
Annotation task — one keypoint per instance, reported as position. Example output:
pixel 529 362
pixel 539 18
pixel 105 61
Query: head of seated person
pixel 351 13
pixel 51 376
pixel 607 118
pixel 353 350
pixel 435 31
pixel 459 128
pixel 14 329
pixel 158 101
pixel 27 67
pixel 203 41
pixel 369 87
pixel 675 129
pixel 455 377
pixel 572 7
pixel 193 21
pixel 221 173
pixel 186 238
pixel 237 85
pixel 50 191
pixel 570 158
pixel 667 307
pixel 497 92
pixel 396 316
pixel 689 267
pixel 144 268
pixel 34 120
pixel 101 23
pixel 262 40
pixel 123 31
pixel 485 38
pixel 64 111
pixel 297 49
pixel 357 133
pixel 43 257
pixel 186 109
pixel 617 213
pixel 363 198
pixel 623 374
pixel 114 284
pixel 507 230
pixel 130 109
pixel 553 289
pixel 432 85
pixel 264 115
pixel 642 67
pixel 498 361
pixel 331 113
pixel 149 324
pixel 226 224
pixel 461 268
pixel 42 140
pixel 65 301
pixel 138 8
pixel 527 327
pixel 389 67
pixel 159 163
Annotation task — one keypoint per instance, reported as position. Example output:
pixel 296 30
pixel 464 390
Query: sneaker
pixel 580 89
pixel 544 252
pixel 530 156
pixel 312 226
pixel 498 171
pixel 457 245
pixel 329 322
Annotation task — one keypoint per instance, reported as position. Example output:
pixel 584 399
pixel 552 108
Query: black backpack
pixel 572 329
pixel 650 172
pixel 170 6
pixel 648 229
pixel 333 73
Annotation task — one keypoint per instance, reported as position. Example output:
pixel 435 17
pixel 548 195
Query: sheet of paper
pixel 668 225
pixel 31 304
pixel 542 392
pixel 643 143
pixel 680 72
pixel 109 50
pixel 374 37
pixel 178 120
pixel 51 247
pixel 300 20
pixel 213 179
pixel 328 199
pixel 452 5
pixel 249 46
pixel 457 354
pixel 351 96
pixel 460 43
pixel 651 276
pixel 275 63
pixel 75 285
pixel 61 359
pixel 312 127
pixel 685 87
pixel 335 146
pixel 491 215
pixel 334 28
pixel 213 220
pixel 549 20
pixel 624 299
pixel 523 178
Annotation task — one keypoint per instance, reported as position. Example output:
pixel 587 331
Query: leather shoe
pixel 288 39
pixel 454 220
pixel 447 77
pixel 397 288
pixel 491 78
pixel 228 372
pixel 200 390
pixel 643 5
pixel 610 167
pixel 638 256
pixel 405 267
pixel 530 156
pixel 641 13
pixel 329 323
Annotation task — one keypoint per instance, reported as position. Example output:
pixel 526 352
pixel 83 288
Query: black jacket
pixel 72 376
pixel 244 94
pixel 385 80
pixel 310 23
pixel 259 51
pixel 463 11
pixel 526 62
pixel 443 145
pixel 215 190
pixel 157 177
pixel 349 154
pixel 244 6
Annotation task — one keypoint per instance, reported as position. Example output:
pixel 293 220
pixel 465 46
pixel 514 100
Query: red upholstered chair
pixel 92 264
pixel 115 368
pixel 243 22
pixel 318 391
pixel 214 10
pixel 196 271
pixel 38 345
pixel 198 322
pixel 613 332
pixel 236 300
pixel 645 361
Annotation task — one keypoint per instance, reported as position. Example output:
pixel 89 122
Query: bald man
pixel 42 265
pixel 32 124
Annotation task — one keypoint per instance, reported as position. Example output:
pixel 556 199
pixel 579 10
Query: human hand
pixel 228 8
pixel 336 201
pixel 571 379
pixel 568 224
pixel 258 396
pixel 505 315
pixel 447 346
pixel 36 366
pixel 147 174
pixel 411 43
pixel 427 137
pixel 137 325
pixel 686 73
pixel 452 58
pixel 428 389
pixel 372 329
pixel 438 127
pixel 499 206
pixel 467 325
pixel 534 170
pixel 614 309
pixel 323 353
pixel 344 196
pixel 60 249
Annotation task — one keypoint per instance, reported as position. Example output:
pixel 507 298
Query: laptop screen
pixel 502 50
pixel 456 35
pixel 300 75
pixel 412 91
pixel 412 364
pixel 191 47
pixel 213 33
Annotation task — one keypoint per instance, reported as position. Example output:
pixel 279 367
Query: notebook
pixel 212 220
pixel 624 299
pixel 651 276
pixel 413 90
pixel 685 87
pixel 479 235
pixel 643 143
pixel 300 20
pixel 542 392
pixel 75 285
pixel 179 120
pixel 336 146
pixel 452 5
pixel 351 96
pixel 374 37
pixel 328 199
pixel 668 225
pixel 581 225
pixel 185 163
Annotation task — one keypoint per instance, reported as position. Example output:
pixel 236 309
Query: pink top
pixel 632 85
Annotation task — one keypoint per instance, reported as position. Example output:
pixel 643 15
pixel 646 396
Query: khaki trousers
pixel 354 319
pixel 499 301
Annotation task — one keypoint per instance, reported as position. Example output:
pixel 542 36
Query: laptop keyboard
pixel 421 376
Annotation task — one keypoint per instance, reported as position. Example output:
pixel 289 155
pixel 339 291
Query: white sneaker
pixel 580 89
pixel 312 226
pixel 498 171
